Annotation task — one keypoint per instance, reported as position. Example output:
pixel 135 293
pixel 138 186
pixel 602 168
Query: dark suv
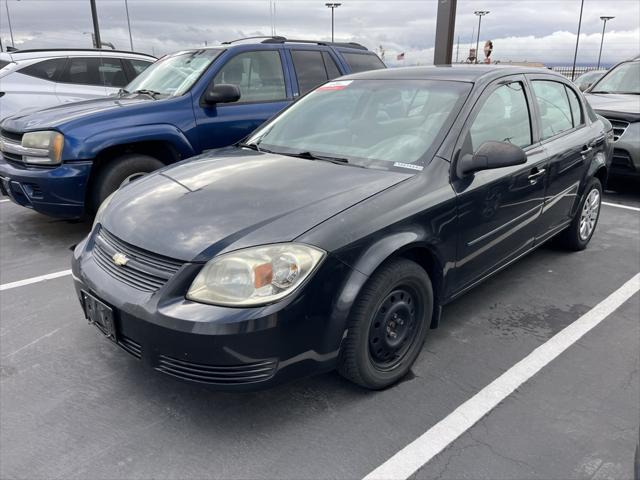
pixel 615 97
pixel 64 161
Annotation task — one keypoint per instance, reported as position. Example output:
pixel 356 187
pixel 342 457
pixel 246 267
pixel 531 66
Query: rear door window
pixel 554 108
pixel 330 65
pixel 112 73
pixel 310 69
pixel 82 71
pixel 576 109
pixel 361 62
pixel 46 69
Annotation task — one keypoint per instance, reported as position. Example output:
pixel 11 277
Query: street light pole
pixel 332 6
pixel 126 7
pixel 604 25
pixel 6 4
pixel 575 54
pixel 96 27
pixel 480 14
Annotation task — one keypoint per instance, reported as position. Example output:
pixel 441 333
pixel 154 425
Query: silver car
pixel 42 78
pixel 616 96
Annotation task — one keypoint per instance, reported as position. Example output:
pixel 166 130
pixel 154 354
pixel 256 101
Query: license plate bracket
pixel 99 314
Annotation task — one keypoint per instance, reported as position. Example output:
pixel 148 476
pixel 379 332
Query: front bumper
pixel 220 347
pixel 57 192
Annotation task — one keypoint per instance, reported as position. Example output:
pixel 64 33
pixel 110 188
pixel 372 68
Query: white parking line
pixel 4 200
pixel 626 207
pixel 412 457
pixel 29 281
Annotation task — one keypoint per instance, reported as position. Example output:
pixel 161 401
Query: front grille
pixel 619 127
pixel 144 270
pixel 134 348
pixel 217 374
pixel 621 161
pixel 12 157
pixel 11 136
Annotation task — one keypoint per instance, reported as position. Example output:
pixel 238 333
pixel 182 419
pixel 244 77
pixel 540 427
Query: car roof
pixel 17 55
pixel 460 73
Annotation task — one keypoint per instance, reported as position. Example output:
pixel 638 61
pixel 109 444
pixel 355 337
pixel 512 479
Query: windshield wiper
pixel 326 158
pixel 252 146
pixel 151 93
pixel 122 92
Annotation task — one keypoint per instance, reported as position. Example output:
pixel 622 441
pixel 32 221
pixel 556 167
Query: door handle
pixel 536 174
pixel 586 150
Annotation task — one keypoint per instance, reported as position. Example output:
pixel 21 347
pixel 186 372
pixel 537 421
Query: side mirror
pixel 221 93
pixel 584 86
pixel 491 155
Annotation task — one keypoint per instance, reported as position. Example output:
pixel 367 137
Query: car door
pixel 261 78
pixel 80 80
pixel 569 145
pixel 498 209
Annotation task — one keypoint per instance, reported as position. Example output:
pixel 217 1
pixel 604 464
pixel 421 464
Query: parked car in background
pixel 332 237
pixel 616 96
pixel 64 161
pixel 35 79
pixel 587 79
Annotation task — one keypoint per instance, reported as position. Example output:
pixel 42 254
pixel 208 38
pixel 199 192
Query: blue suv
pixel 63 161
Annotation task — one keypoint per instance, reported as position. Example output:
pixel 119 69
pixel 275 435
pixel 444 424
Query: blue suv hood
pixel 237 198
pixel 52 117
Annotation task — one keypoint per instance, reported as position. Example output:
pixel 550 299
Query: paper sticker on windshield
pixel 408 165
pixel 339 85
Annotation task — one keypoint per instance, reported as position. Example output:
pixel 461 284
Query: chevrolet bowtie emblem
pixel 120 259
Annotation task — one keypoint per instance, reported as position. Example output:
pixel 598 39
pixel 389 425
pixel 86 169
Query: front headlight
pixel 255 276
pixel 43 148
pixel 103 206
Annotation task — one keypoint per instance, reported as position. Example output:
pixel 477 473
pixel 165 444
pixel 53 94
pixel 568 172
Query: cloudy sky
pixel 533 30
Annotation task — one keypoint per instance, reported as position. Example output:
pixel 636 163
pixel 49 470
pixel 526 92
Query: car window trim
pixel 286 98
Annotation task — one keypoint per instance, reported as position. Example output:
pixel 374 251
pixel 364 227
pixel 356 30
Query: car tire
pixel 380 348
pixel 118 171
pixel 578 234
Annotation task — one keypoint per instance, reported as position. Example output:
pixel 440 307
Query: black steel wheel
pixel 394 327
pixel 388 325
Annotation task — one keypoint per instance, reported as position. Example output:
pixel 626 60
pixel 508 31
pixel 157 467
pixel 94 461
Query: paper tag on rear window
pixel 339 85
pixel 408 165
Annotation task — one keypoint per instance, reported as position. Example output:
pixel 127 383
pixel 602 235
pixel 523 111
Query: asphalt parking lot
pixel 74 405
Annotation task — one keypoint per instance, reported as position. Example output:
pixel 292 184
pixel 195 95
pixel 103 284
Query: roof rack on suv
pixel 37 50
pixel 269 39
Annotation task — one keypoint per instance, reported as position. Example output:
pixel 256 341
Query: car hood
pixel 52 117
pixel 615 104
pixel 236 198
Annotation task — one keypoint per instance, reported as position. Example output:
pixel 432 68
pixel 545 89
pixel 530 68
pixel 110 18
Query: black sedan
pixel 332 237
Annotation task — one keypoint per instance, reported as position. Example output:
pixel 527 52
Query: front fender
pixel 90 147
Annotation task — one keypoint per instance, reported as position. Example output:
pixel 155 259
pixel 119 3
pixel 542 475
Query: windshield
pixel 373 123
pixel 174 74
pixel 625 78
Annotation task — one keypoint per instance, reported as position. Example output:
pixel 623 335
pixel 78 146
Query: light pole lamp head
pixel 332 5
pixel 481 13
pixel 605 18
